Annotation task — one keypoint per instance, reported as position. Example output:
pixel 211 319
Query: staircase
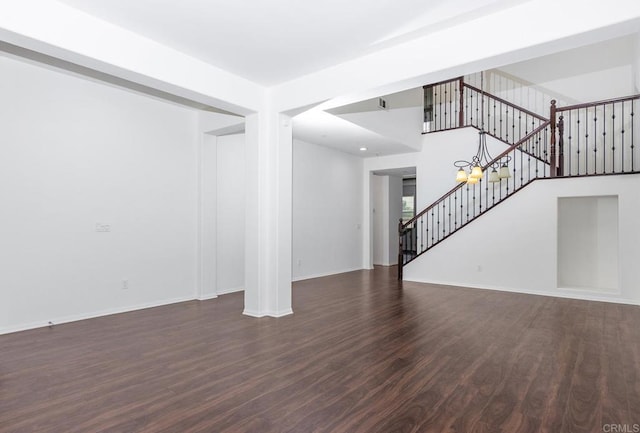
pixel 579 140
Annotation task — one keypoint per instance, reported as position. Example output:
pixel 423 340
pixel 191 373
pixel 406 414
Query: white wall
pixel 435 173
pixel 588 243
pixel 515 244
pixel 230 213
pixel 327 211
pixel 75 153
pixel 378 209
pixel 386 211
pixel 395 213
pixel 636 62
pixel 591 73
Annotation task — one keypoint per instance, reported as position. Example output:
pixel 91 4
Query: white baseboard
pixel 252 313
pixel 231 290
pixel 92 315
pixel 565 295
pixel 207 297
pixel 325 274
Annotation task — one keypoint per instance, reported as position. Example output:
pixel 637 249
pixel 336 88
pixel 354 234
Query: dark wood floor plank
pixel 362 353
pixel 629 326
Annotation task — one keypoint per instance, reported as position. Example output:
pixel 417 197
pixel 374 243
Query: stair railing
pixel 455 104
pixel 527 161
pixel 596 138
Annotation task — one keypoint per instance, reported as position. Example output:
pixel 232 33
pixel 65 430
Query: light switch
pixel 103 228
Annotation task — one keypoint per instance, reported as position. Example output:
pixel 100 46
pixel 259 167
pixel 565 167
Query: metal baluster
pixel 467 204
pixel 595 141
pixel 604 139
pixel 486 194
pixel 480 196
pixel 467 120
pixel 432 228
pixel 444 219
pixel 586 141
pixel 519 126
pixel 478 120
pixel 437 117
pixel 570 144
pixel 613 138
pixel 455 209
pixel 494 117
pixel 450 213
pixel 578 144
pixel 632 133
pixel 522 169
pixel 500 120
pixel 513 125
pixel 445 105
pixel 622 137
pixel 438 225
pixel 546 156
pixel 426 241
pixel 493 194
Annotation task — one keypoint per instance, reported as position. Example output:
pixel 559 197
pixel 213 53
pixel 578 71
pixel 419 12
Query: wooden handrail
pixel 461 78
pixel 460 185
pixel 514 106
pixel 595 104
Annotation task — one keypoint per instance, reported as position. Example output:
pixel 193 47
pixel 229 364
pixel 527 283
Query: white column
pixel 268 215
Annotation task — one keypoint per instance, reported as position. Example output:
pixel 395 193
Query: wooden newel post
pixel 553 166
pixel 400 254
pixel 560 169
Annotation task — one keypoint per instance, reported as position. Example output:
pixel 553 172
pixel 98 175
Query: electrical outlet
pixel 103 228
pixel 125 284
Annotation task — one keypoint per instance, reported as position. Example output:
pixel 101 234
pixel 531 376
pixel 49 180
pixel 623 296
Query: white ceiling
pixel 273 41
pixel 270 42
pixel 320 127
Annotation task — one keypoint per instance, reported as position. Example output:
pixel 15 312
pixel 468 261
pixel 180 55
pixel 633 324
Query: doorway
pixel 393 198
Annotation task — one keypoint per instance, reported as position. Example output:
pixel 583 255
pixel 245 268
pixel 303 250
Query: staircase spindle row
pixel 598 138
pixel 466 202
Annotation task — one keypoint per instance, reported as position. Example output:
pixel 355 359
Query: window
pixel 408 207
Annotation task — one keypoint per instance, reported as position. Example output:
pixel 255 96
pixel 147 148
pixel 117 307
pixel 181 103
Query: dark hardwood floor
pixel 362 353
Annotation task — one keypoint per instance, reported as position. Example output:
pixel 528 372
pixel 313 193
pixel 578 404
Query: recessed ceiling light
pixel 363 149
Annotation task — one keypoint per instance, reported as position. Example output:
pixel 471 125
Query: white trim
pixel 385 264
pixel 231 290
pixel 93 315
pixel 207 297
pixel 582 297
pixel 325 274
pixel 282 313
pixel 252 313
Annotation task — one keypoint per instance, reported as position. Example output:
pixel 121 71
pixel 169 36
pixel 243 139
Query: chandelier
pixel 482 160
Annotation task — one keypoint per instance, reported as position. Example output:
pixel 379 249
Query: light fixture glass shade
pixel 504 172
pixel 493 176
pixel 461 176
pixel 472 180
pixel 476 172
